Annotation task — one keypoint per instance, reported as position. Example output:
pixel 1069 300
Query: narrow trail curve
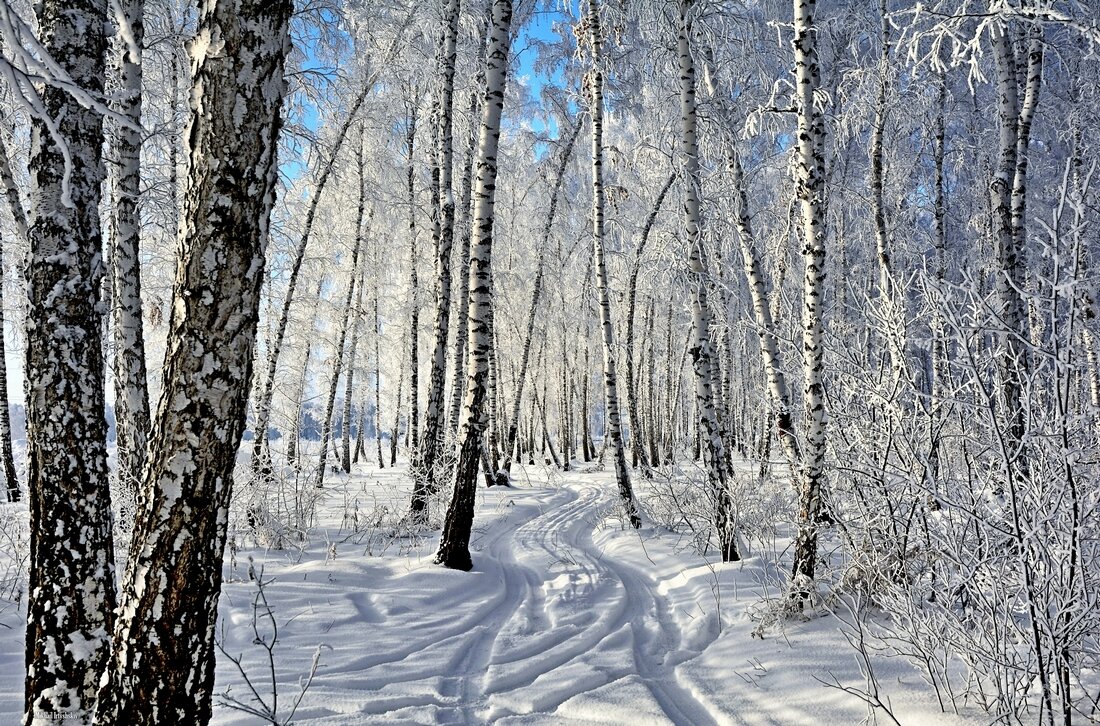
pixel 629 624
pixel 548 620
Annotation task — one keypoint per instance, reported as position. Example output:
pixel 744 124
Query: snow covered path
pixel 546 624
pixel 567 618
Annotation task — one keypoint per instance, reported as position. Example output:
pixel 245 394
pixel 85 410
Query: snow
pixel 567 618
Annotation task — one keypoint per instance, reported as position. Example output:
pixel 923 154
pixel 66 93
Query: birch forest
pixel 550 362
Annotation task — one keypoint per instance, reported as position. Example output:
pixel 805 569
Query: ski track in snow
pixel 562 620
pixel 567 618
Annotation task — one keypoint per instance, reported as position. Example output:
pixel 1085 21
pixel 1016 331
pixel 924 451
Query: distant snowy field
pixel 568 618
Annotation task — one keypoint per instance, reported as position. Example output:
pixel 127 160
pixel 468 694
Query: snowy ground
pixel 566 618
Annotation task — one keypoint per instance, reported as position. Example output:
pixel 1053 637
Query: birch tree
pixel 810 177
pixel 71 595
pixel 349 378
pixel 443 230
pixel 702 350
pixel 131 384
pixel 536 293
pixel 162 667
pixel 1008 195
pixel 594 92
pixel 454 546
pixel 267 387
pixel 19 217
pixel 637 443
pixel 338 357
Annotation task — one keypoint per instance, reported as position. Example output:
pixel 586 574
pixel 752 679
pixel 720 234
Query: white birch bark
pixel 702 349
pixel 594 83
pixel 765 326
pixel 413 430
pixel 19 215
pixel 637 442
pixel 891 305
pixel 71 593
pixel 131 383
pixel 267 388
pixel 377 386
pixel 454 547
pixel 162 668
pixel 356 327
pixel 462 298
pixel 444 230
pixel 810 165
pixel 1008 191
pixel 339 356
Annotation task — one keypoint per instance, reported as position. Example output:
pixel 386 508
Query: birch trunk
pixel 532 312
pixel 349 379
pixel 652 394
pixel 712 438
pixel 345 320
pixel 435 411
pixel 15 206
pixel 637 439
pixel 939 327
pixel 454 547
pixel 11 477
pixel 293 450
pixel 131 383
pixel 263 400
pixel 357 312
pixel 397 415
pixel 458 386
pixel 162 668
pixel 587 446
pixel 888 301
pixel 765 326
pixel 611 393
pixel 810 179
pixel 492 433
pixel 378 388
pixel 413 432
pixel 71 590
pixel 1008 192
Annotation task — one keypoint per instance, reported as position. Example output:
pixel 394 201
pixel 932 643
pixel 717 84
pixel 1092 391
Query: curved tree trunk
pixel 345 321
pixel 637 439
pixel 71 590
pixel 611 391
pixel 454 547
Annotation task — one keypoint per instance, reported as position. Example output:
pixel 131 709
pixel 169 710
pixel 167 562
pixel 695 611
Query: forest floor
pixel 567 617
